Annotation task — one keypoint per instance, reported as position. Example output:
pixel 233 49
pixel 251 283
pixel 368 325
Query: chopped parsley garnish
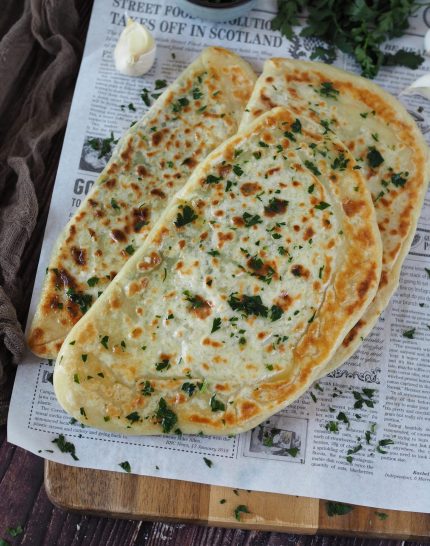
pixel 76 378
pixel 312 167
pixel 213 252
pixel 332 426
pixel 104 341
pixel 92 281
pixel 131 107
pixel 144 95
pixel 84 358
pixel 263 144
pixel 159 84
pixel 65 447
pixel 208 462
pixel 163 365
pixel 237 170
pixel 215 404
pixel 114 204
pixel 398 180
pixel 130 250
pixel 216 325
pixel 196 301
pixel 338 508
pixel 212 179
pixel 383 443
pixel 381 515
pixel 322 205
pixel 240 509
pixel 257 155
pixel 327 90
pixel 341 416
pixel 311 188
pixel 189 388
pixel 148 389
pixel 409 333
pixel 276 206
pixel 103 146
pixel 276 313
pixel 290 136
pixel 251 220
pixel 340 162
pixel 133 417
pixel 125 466
pixel 296 126
pixel 374 158
pixel 82 412
pixel 197 94
pixel 165 416
pixel 187 216
pixel 222 501
pixel 427 271
pixel 364 397
pixel 180 103
pixel 83 300
pixel 248 305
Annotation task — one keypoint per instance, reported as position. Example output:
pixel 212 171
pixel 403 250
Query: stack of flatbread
pixel 215 270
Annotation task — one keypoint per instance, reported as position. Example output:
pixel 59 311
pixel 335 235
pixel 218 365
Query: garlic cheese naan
pixel 240 294
pixel 153 160
pixel 387 145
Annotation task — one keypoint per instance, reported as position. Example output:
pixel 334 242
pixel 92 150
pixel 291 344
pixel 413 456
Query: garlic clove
pixel 420 86
pixel 134 53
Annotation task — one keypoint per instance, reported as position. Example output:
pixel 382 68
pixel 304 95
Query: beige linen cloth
pixel 40 50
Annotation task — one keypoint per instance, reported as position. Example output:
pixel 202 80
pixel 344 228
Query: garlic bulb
pixel 135 51
pixel 421 86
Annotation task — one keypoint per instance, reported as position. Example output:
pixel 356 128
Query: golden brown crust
pixel 162 351
pixel 147 168
pixel 365 117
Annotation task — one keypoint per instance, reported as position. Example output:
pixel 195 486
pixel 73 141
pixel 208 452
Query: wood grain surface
pixel 23 499
pixel 141 497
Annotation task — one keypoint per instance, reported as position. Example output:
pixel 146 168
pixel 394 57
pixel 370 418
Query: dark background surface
pixel 23 500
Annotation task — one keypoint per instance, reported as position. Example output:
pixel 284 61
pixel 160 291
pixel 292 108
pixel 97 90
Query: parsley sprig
pixel 357 28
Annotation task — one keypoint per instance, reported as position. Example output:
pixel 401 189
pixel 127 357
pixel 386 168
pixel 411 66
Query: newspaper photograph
pixel 360 434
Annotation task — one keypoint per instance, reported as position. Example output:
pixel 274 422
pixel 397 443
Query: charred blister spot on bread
pixel 142 171
pixel 79 255
pixel 224 238
pixel 136 287
pixel 118 236
pixel 267 101
pixel 353 333
pixel 247 409
pixel 150 262
pixel 158 193
pixel 299 270
pixel 353 207
pixel 113 168
pixel 37 339
pixel 309 233
pixel 158 136
pixel 284 301
pixel 211 342
pixel 250 188
pixel 127 153
pixel 87 334
pixel 111 183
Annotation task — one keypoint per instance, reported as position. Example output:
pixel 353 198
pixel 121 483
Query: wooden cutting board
pixel 128 496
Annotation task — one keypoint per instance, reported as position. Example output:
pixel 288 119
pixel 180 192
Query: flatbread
pixel 154 159
pixel 378 131
pixel 238 297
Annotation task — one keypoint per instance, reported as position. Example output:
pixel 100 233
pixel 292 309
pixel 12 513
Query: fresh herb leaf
pixel 248 305
pixel 374 158
pixel 237 170
pixel 83 300
pixel 212 179
pixel 165 416
pixel 92 281
pixel 185 217
pixel 340 162
pixel 159 84
pixel 381 515
pixel 179 104
pixel 15 531
pixel 312 167
pixel 163 365
pixel 148 389
pixel 409 333
pixel 65 447
pixel 216 325
pixel 133 417
pixel 189 388
pixel 240 509
pixel 125 466
pixel 296 126
pixel 322 205
pixel 208 462
pixel 130 250
pixel 383 443
pixel 276 313
pixel 338 508
pixel 104 341
pixel 215 404
pixel 251 220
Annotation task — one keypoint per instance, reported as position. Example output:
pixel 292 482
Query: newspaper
pixel 320 446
